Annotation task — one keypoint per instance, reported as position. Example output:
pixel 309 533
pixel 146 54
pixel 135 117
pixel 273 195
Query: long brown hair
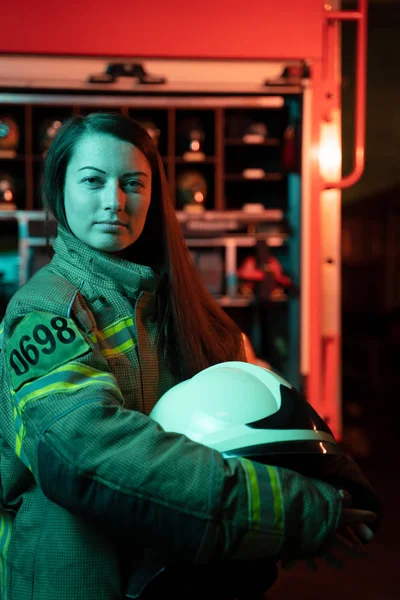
pixel 195 332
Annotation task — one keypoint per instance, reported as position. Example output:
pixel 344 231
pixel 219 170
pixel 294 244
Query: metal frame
pixel 360 17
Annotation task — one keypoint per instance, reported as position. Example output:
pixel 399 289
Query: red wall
pixel 272 29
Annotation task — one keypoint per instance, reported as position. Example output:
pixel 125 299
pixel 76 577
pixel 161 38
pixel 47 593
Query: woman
pixel 93 491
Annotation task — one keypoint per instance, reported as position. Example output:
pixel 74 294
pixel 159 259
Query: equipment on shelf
pixel 256 133
pixel 192 190
pixel 249 274
pixel 263 275
pixel 210 265
pixel 7 192
pixel 9 137
pixel 190 140
pixel 276 285
pixel 249 130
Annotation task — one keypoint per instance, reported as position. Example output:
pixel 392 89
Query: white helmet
pixel 241 409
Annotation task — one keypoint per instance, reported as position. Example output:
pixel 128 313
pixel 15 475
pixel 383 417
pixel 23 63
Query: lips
pixel 112 223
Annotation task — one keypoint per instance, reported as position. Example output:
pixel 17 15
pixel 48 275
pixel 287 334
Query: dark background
pixel 370 269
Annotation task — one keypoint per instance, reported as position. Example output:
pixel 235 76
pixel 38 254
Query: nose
pixel 114 197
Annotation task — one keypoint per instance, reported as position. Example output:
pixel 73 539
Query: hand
pixel 353 530
pixel 352 535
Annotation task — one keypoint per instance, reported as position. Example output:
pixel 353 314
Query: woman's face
pixel 107 192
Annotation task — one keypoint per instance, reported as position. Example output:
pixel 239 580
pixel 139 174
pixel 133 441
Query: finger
pixel 343 540
pixel 348 547
pixel 352 536
pixel 354 515
pixel 346 498
pixel 363 532
pixel 346 542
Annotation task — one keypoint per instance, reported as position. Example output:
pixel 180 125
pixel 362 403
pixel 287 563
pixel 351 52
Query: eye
pixel 91 180
pixel 133 184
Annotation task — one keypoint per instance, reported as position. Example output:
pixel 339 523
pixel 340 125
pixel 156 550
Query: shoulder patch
pixel 40 343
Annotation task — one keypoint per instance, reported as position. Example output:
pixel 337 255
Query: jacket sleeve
pixel 118 469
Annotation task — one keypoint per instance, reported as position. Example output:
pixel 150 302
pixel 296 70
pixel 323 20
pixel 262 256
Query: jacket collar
pixel 101 269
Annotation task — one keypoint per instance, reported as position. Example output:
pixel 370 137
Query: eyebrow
pixel 124 175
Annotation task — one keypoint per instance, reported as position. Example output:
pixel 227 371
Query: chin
pixel 110 245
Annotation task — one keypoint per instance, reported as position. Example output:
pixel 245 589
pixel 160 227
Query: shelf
pixel 25 215
pixel 243 216
pixel 245 240
pixel 177 159
pixel 234 302
pixel 181 161
pixel 8 214
pixel 266 177
pixel 241 142
pixel 38 158
pixel 213 111
pixel 239 302
pixel 18 158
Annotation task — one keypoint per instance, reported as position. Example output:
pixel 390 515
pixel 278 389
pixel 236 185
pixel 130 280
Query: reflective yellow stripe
pixel 270 512
pixel 19 437
pixel 264 536
pixel 116 327
pixel 84 369
pixel 19 430
pixel 18 445
pixel 113 329
pixel 115 339
pixel 72 367
pixel 276 490
pixel 255 495
pixel 121 349
pixel 65 386
pixel 38 388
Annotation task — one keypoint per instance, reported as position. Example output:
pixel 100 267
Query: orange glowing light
pixel 330 153
pixel 199 197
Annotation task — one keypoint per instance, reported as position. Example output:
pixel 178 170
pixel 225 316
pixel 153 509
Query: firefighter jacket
pixel 88 481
